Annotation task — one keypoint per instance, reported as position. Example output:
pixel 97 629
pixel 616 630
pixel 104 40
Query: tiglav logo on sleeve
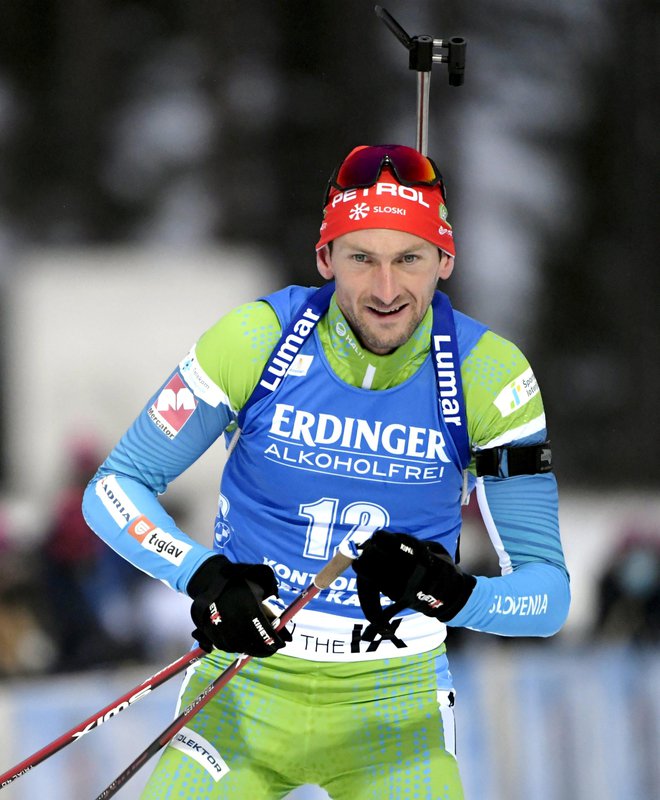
pixel 173 407
pixel 158 541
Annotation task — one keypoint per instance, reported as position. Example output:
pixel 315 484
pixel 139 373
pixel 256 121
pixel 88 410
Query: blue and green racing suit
pixel 330 442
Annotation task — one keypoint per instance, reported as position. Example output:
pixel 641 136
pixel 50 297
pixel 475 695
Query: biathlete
pixel 366 409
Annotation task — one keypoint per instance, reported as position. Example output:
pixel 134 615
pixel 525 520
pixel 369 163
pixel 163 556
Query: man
pixel 364 409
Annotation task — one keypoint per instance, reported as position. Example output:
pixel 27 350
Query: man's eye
pixel 410 258
pixel 359 257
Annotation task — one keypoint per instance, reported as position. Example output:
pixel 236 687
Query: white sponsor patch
pixel 192 744
pixel 300 365
pixel 517 393
pixel 328 636
pixel 116 501
pixel 173 407
pixel 202 386
pixel 163 544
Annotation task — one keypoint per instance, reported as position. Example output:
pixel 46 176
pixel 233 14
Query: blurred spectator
pixel 89 587
pixel 24 645
pixel 628 601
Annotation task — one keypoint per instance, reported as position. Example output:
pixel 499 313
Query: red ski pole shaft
pixel 96 720
pixel 325 577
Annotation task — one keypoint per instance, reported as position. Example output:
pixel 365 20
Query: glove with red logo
pixel 227 608
pixel 415 574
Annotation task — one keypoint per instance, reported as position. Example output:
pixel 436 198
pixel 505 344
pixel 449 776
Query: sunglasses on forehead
pixel 363 166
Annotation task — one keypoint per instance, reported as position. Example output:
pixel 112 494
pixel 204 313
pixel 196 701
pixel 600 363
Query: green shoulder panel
pixel 501 392
pixel 234 351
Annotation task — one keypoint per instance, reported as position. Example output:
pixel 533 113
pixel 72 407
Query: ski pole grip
pixel 332 570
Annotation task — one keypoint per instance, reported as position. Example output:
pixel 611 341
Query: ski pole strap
pixel 506 462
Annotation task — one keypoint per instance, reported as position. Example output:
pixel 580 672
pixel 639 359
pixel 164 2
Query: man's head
pixel 385 280
pixel 386 242
pixel 387 186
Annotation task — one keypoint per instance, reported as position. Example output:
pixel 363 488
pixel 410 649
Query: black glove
pixel 227 608
pixel 415 574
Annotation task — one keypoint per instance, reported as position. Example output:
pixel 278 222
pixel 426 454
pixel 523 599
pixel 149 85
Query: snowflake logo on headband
pixel 359 211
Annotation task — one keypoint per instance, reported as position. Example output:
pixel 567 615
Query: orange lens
pixel 363 166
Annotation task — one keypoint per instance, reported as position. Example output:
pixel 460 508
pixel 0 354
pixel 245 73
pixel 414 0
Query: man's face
pixel 385 282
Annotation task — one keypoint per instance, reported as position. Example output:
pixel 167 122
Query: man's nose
pixel 385 287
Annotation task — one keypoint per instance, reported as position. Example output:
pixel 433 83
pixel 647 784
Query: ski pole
pixel 96 720
pixel 332 570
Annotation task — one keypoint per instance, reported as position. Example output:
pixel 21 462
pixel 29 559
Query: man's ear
pixel 324 263
pixel 446 266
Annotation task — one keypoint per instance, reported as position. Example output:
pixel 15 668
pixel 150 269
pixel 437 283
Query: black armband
pixel 506 462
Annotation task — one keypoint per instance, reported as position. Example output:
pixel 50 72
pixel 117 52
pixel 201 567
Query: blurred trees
pixel 185 123
pixel 599 335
